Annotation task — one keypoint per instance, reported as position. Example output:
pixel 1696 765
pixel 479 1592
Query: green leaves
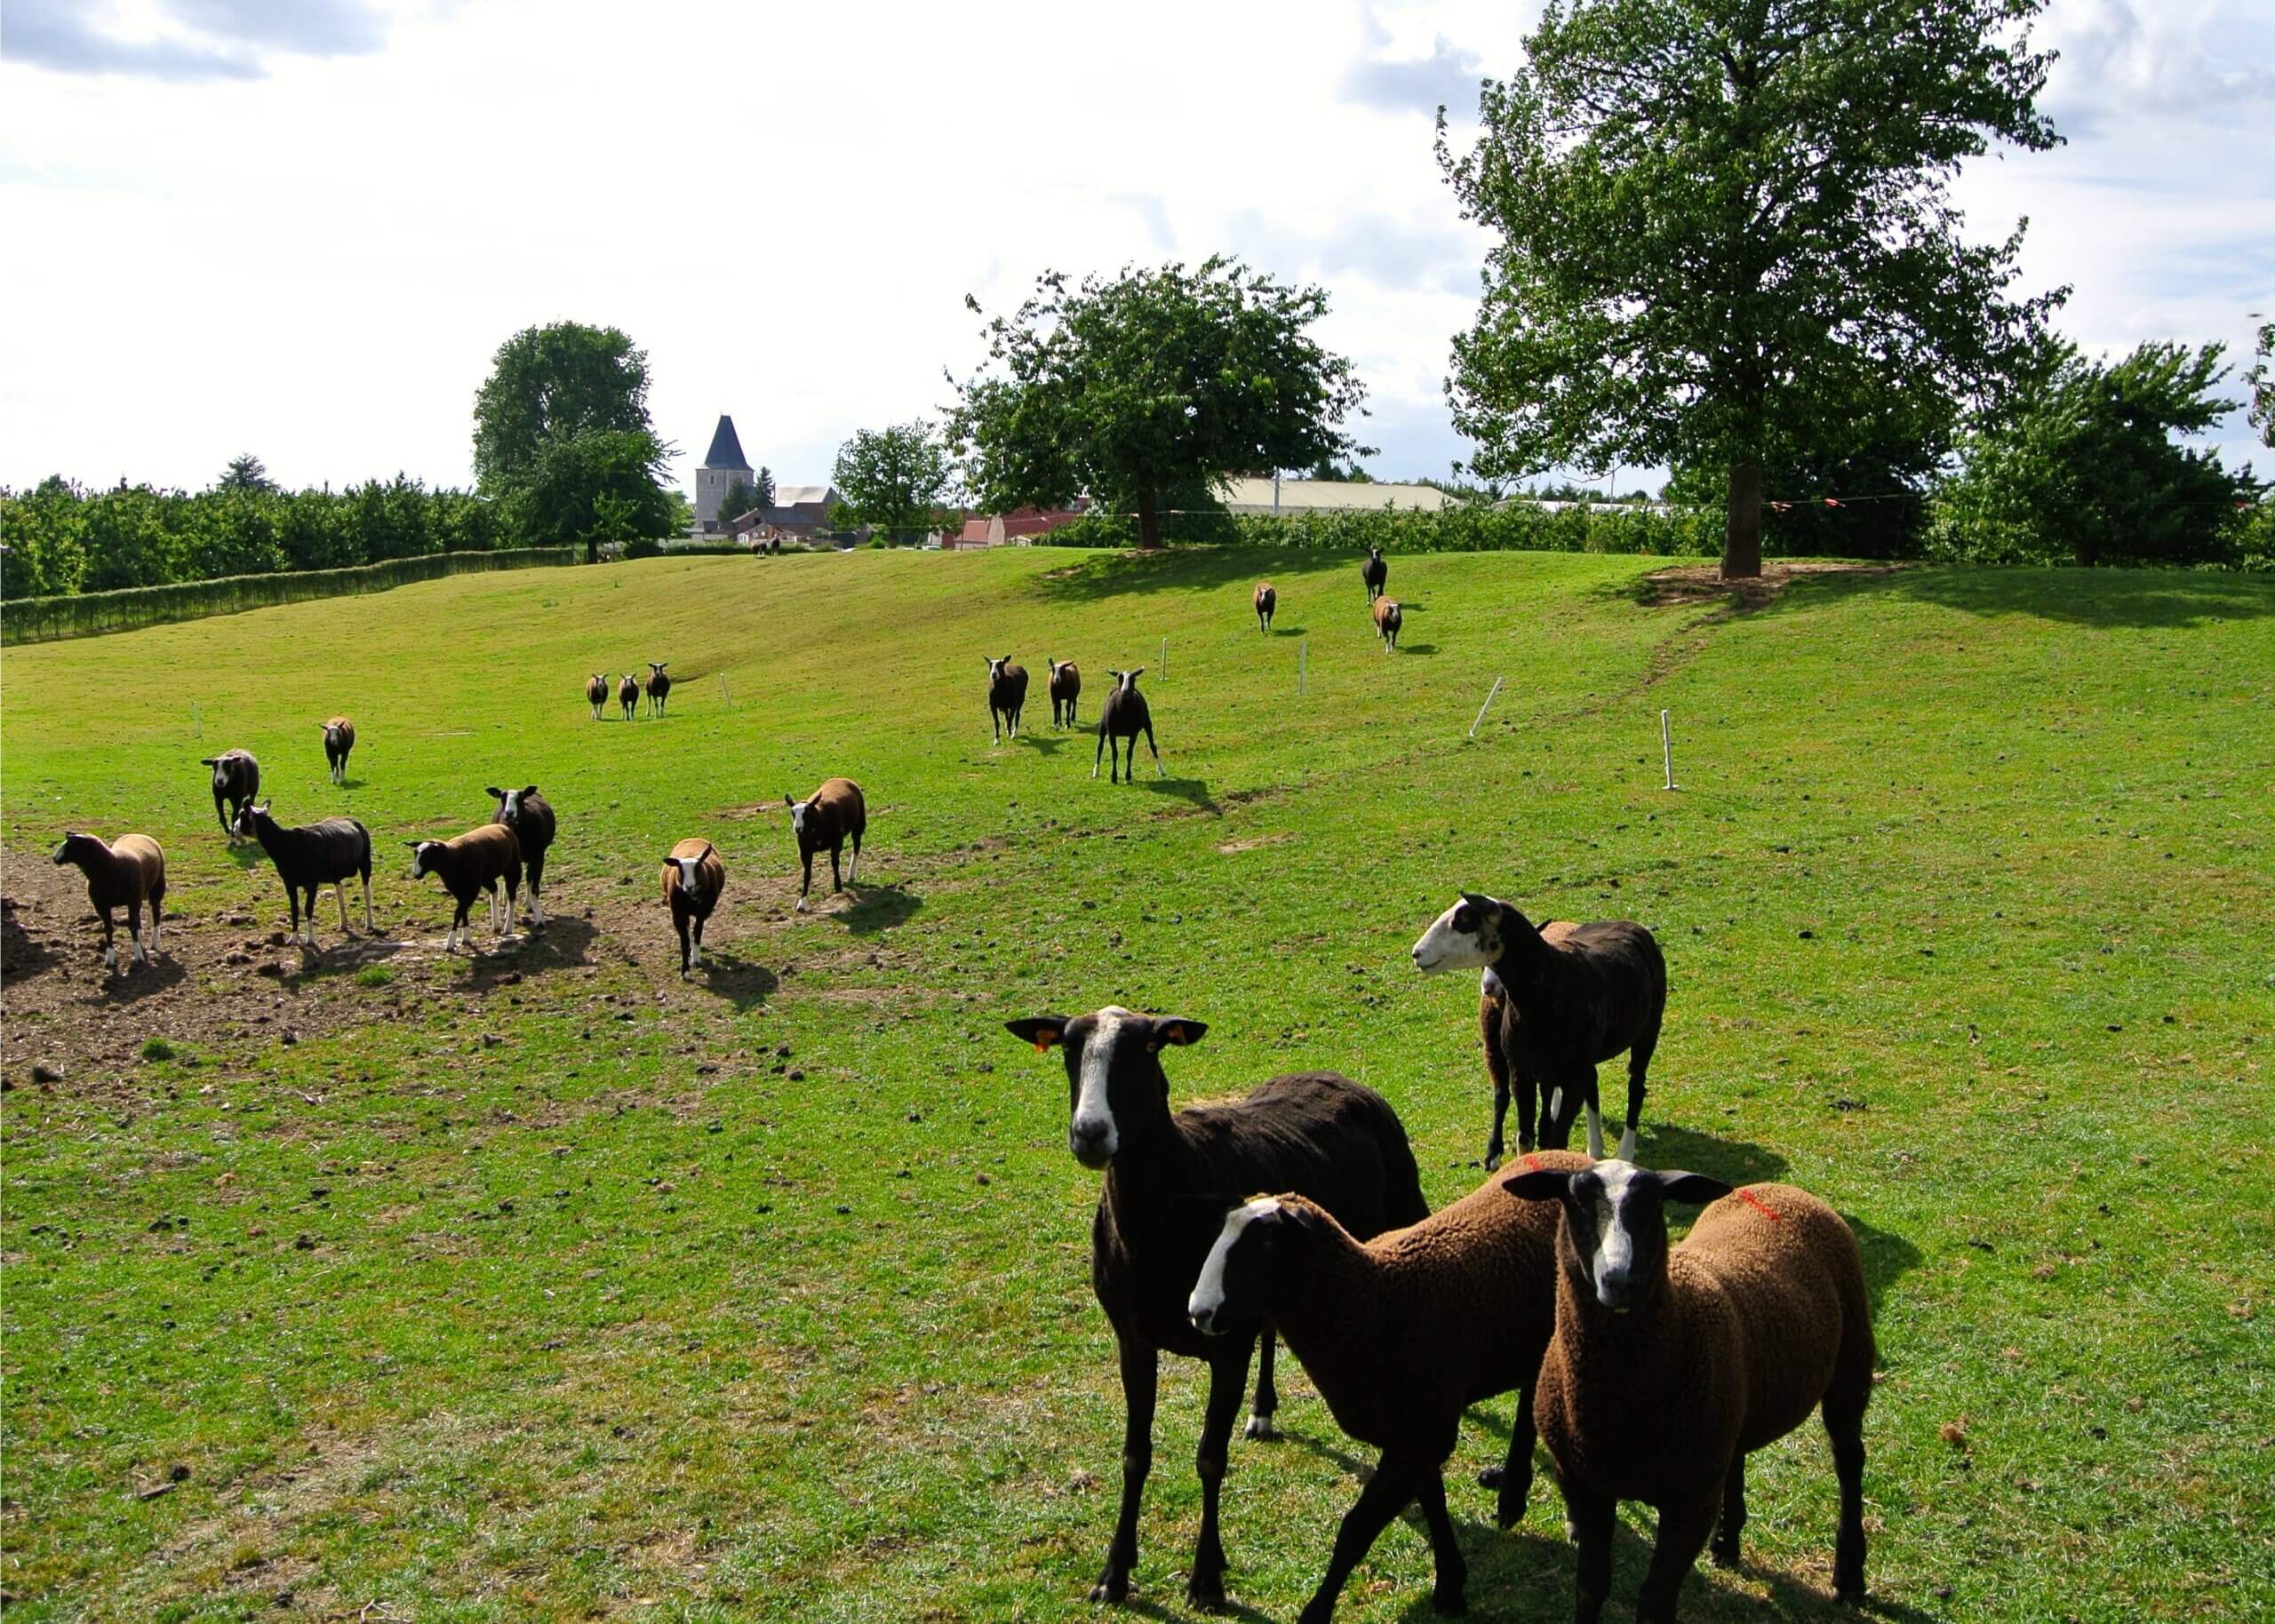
pixel 897 480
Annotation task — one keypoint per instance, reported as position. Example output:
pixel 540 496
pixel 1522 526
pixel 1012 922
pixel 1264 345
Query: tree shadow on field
pixel 1119 572
pixel 2139 599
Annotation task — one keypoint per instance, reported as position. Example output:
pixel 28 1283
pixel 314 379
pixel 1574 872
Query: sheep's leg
pixel 340 895
pixel 1385 1496
pixel 854 867
pixel 1844 1424
pixel 1451 1594
pixel 1684 1527
pixel 158 911
pixel 1731 1524
pixel 1140 1382
pixel 1159 769
pixel 837 880
pixel 1267 1396
pixel 1638 1061
pixel 1227 1385
pixel 369 928
pixel 808 885
pixel 1097 753
pixel 680 924
pixel 134 926
pixel 1589 1518
pixel 1514 1479
pixel 110 948
pixel 1523 1086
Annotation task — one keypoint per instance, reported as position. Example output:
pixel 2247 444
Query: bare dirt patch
pixel 1695 583
pixel 1253 842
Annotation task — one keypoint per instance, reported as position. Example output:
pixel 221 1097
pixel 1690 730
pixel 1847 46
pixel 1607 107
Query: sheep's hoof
pixel 1207 1592
pixel 1114 1589
pixel 1724 1555
pixel 1492 1161
pixel 1260 1429
pixel 1849 1595
pixel 1449 1604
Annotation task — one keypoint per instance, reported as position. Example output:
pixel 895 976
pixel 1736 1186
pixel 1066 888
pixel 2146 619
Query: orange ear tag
pixel 1043 1046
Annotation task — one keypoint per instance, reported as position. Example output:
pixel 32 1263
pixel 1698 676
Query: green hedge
pixel 32 620
pixel 1522 527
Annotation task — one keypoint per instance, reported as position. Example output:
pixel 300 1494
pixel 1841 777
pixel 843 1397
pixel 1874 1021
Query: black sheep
pixel 528 814
pixel 1007 695
pixel 236 780
pixel 1122 717
pixel 1375 571
pixel 312 857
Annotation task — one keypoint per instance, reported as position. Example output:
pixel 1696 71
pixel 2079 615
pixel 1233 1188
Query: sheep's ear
pixel 1539 1184
pixel 1042 1030
pixel 208 760
pixel 788 802
pixel 528 789
pixel 1696 1188
pixel 494 792
pixel 1175 1029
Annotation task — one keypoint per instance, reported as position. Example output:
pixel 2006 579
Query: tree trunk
pixel 1742 541
pixel 1149 519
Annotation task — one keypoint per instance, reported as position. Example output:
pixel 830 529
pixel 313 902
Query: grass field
pixel 536 1284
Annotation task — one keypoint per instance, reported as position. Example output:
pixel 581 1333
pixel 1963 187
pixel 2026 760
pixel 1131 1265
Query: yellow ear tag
pixel 1043 1046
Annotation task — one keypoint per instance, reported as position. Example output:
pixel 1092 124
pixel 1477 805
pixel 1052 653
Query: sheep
pixel 471 864
pixel 1007 695
pixel 126 873
pixel 530 817
pixel 339 739
pixel 1389 616
pixel 1571 996
pixel 693 878
pixel 827 818
pixel 1122 718
pixel 1374 570
pixel 312 857
pixel 1267 600
pixel 1065 687
pixel 628 695
pixel 1168 1181
pixel 659 686
pixel 1669 1367
pixel 236 779
pixel 1401 1334
pixel 596 693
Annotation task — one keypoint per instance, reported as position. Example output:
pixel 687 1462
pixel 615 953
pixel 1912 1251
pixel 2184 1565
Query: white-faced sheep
pixel 530 816
pixel 1065 689
pixel 339 739
pixel 596 693
pixel 470 865
pixel 1168 1178
pixel 128 872
pixel 1570 996
pixel 1122 717
pixel 236 781
pixel 1389 616
pixel 1267 601
pixel 659 686
pixel 1375 571
pixel 1669 1366
pixel 1007 695
pixel 1401 1334
pixel 628 695
pixel 824 821
pixel 693 878
pixel 312 857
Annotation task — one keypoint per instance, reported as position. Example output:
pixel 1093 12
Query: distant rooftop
pixel 726 450
pixel 1254 495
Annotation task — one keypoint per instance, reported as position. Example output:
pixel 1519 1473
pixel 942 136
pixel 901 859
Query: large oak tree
pixel 1726 235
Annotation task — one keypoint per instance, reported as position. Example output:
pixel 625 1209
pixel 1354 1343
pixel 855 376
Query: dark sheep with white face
pixel 236 781
pixel 312 857
pixel 530 817
pixel 1007 694
pixel 1124 717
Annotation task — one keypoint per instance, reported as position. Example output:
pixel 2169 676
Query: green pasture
pixel 536 1284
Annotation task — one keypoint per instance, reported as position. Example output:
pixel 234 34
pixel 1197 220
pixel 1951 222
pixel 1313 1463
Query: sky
pixel 301 229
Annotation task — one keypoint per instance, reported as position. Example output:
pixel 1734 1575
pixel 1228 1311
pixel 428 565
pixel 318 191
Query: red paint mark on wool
pixel 1754 1201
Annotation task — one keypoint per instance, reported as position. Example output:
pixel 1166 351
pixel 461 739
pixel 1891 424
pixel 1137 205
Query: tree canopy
pixel 1726 235
pixel 245 473
pixel 560 430
pixel 897 479
pixel 1151 382
pixel 601 485
pixel 2262 379
pixel 743 496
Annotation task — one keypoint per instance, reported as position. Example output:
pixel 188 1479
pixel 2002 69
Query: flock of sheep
pixel 1648 1371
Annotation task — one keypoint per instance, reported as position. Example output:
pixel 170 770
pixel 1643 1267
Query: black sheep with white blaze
pixel 236 781
pixel 310 857
pixel 530 817
pixel 1124 716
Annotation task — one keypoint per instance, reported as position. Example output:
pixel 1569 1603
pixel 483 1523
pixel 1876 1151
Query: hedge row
pixel 1525 528
pixel 31 620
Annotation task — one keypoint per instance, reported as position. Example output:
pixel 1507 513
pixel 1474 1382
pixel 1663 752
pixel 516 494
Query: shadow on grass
pixel 1047 744
pixel 2156 599
pixel 879 908
pixel 744 982
pixel 21 954
pixel 1114 573
pixel 1734 1161
pixel 1192 791
pixel 133 983
pixel 248 855
pixel 1415 649
pixel 1888 1257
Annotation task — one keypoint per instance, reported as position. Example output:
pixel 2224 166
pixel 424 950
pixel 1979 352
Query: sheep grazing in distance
pixel 530 817
pixel 1401 1334
pixel 596 693
pixel 1122 717
pixel 128 873
pixel 1065 689
pixel 1375 571
pixel 1266 601
pixel 1389 616
pixel 339 739
pixel 471 864
pixel 825 820
pixel 628 695
pixel 1168 1181
pixel 236 780
pixel 1007 695
pixel 1669 1367
pixel 659 686
pixel 693 878
pixel 312 857
pixel 1570 996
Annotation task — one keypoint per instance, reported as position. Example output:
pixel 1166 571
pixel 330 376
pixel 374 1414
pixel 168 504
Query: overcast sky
pixel 302 228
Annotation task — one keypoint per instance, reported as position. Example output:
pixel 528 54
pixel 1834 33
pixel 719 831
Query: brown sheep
pixel 596 693
pixel 628 695
pixel 471 864
pixel 1007 694
pixel 1266 601
pixel 825 820
pixel 126 873
pixel 1389 616
pixel 1065 687
pixel 693 878
pixel 339 739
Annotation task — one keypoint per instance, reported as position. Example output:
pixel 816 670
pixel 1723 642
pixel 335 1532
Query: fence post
pixel 1486 706
pixel 1303 660
pixel 725 693
pixel 196 719
pixel 1165 659
pixel 1666 744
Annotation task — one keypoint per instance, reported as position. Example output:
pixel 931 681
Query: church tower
pixel 722 467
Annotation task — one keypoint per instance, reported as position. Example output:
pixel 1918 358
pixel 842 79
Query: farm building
pixel 1021 526
pixel 799 512
pixel 1286 495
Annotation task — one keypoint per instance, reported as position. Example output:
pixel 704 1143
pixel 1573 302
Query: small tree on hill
pixel 747 496
pixel 245 473
pixel 895 479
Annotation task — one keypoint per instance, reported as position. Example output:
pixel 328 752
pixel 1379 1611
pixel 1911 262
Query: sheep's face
pixel 1614 1238
pixel 243 823
pixel 1116 1087
pixel 800 810
pixel 221 774
pixel 995 667
pixel 75 849
pixel 687 867
pixel 422 853
pixel 1466 937
pixel 335 735
pixel 510 804
pixel 1229 1295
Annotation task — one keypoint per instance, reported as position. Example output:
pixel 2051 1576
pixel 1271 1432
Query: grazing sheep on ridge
pixel 693 878
pixel 1065 689
pixel 1570 996
pixel 471 864
pixel 1122 717
pixel 530 816
pixel 659 686
pixel 1266 601
pixel 1007 695
pixel 339 739
pixel 628 695
pixel 1168 1181
pixel 596 693
pixel 125 874
pixel 833 815
pixel 1389 616
pixel 311 857
pixel 1669 1367
pixel 1401 1334
pixel 236 779
pixel 1375 571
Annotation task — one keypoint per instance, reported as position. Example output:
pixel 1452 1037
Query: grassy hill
pixel 536 1284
